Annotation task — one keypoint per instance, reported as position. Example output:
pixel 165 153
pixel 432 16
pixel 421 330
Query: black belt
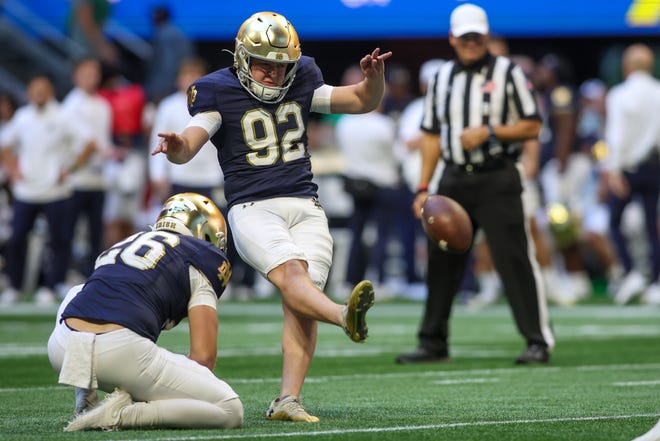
pixel 479 168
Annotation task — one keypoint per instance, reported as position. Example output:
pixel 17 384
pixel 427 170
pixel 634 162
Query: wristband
pixel 422 189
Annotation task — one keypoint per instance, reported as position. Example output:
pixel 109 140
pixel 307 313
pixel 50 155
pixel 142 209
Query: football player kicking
pixel 106 330
pixel 256 114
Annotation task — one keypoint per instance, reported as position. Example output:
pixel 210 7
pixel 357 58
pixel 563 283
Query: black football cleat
pixel 534 354
pixel 423 355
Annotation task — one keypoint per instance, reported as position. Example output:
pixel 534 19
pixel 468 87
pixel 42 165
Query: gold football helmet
pixel 195 215
pixel 267 36
pixel 564 225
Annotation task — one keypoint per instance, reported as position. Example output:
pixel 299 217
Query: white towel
pixel 78 366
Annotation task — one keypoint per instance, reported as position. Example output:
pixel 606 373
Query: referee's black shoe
pixel 534 354
pixel 423 355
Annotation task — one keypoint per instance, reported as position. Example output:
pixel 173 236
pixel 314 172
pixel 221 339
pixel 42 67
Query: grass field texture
pixel 603 382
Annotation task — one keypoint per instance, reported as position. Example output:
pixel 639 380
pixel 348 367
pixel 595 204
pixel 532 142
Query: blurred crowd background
pixel 365 165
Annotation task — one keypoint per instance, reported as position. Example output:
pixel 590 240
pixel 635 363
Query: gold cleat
pixel 289 408
pixel 355 311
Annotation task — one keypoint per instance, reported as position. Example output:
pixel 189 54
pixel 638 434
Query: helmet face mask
pixel 270 37
pixel 195 215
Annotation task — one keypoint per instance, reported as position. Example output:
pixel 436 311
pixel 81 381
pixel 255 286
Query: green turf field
pixel 603 382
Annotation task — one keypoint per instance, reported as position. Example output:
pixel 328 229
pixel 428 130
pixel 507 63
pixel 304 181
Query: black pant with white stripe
pixel 493 200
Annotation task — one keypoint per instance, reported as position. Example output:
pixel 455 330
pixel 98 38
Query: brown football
pixel 447 223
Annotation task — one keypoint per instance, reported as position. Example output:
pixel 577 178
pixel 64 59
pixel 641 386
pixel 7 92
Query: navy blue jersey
pixel 143 282
pixel 558 100
pixel 262 148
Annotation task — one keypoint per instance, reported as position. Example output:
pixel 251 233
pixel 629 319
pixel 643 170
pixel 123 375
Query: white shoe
pixel 632 285
pixel 614 277
pixel 563 292
pixel 9 297
pixel 651 435
pixel 384 292
pixel 582 288
pixel 562 297
pixel 105 416
pixel 44 297
pixel 651 295
pixel 490 286
pixel 557 291
pixel 416 291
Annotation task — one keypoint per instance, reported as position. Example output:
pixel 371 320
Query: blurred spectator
pixel 371 179
pixel 170 46
pixel 85 24
pixel 88 176
pixel 553 77
pixel 409 138
pixel 563 171
pixel 578 217
pixel 610 66
pixel 398 90
pixel 633 165
pixel 600 256
pixel 201 174
pixel 127 173
pixel 591 117
pixel 409 134
pixel 8 106
pixel 398 95
pixel 38 152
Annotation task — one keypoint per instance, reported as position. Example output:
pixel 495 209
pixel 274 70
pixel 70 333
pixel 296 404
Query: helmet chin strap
pixel 265 92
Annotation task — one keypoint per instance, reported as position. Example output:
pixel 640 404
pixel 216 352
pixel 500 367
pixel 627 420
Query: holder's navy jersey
pixel 262 148
pixel 143 282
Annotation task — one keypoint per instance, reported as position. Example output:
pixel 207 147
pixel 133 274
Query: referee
pixel 478 109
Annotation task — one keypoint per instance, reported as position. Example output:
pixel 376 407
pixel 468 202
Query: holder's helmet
pixel 195 215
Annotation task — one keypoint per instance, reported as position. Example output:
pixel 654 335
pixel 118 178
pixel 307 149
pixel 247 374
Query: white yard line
pixel 411 428
pixel 465 381
pixel 475 374
pixel 636 383
pixel 385 309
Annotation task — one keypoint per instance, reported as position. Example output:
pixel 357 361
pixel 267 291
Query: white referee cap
pixel 468 18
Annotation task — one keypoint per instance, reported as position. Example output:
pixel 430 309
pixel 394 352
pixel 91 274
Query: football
pixel 447 223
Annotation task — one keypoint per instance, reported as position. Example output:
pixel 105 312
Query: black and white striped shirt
pixel 494 91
